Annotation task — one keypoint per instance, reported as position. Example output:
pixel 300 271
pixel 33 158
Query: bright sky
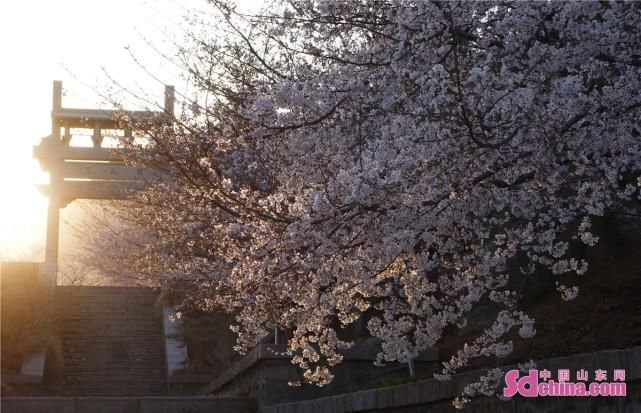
pixel 72 41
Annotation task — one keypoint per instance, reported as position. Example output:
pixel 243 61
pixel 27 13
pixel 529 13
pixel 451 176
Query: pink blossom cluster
pixel 393 162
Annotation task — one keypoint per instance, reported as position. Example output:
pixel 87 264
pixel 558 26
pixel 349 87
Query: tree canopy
pixel 397 161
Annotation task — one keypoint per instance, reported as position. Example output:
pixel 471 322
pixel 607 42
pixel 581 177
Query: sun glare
pixel 22 218
pixel 66 41
pixel 84 43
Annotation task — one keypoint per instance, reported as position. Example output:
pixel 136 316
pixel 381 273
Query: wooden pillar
pixel 66 138
pixel 56 105
pixel 170 99
pixel 277 340
pixel 97 135
pixel 411 366
pixel 50 272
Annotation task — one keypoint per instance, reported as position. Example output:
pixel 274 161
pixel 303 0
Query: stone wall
pixel 436 397
pixel 264 374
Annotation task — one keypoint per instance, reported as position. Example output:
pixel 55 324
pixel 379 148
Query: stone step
pixel 98 370
pixel 100 297
pixel 72 354
pixel 85 378
pixel 109 347
pixel 109 334
pixel 151 323
pixel 111 304
pixel 77 359
pixel 112 342
pixel 77 333
pixel 97 367
pixel 108 389
pixel 132 354
pixel 116 310
pixel 119 365
pixel 119 313
pixel 125 311
pixel 115 377
pixel 112 378
pixel 112 386
pixel 145 345
pixel 102 290
pixel 97 324
pixel 145 367
pixel 111 383
pixel 108 352
pixel 134 359
pixel 124 323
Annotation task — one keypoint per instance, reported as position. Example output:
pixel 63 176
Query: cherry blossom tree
pixel 400 162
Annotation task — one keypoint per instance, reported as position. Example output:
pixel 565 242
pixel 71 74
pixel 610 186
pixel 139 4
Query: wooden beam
pixel 56 104
pixel 170 99
pixel 58 151
pixel 85 118
pixel 92 189
pixel 106 171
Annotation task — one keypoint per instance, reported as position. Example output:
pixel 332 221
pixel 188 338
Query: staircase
pixel 111 358
pixel 112 343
